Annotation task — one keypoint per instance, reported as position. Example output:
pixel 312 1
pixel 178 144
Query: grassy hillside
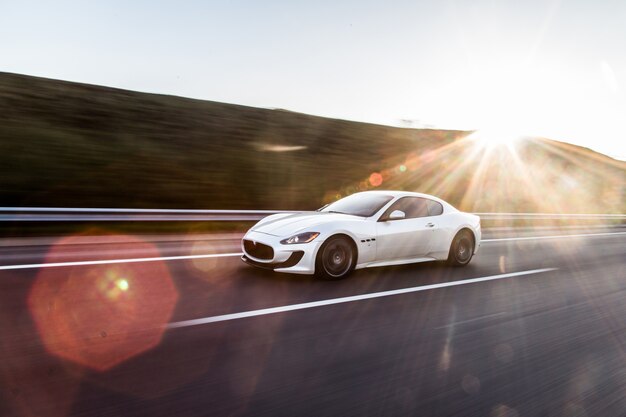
pixel 529 175
pixel 77 145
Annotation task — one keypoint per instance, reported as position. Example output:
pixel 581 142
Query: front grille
pixel 293 260
pixel 258 250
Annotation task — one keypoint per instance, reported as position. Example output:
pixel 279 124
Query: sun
pixel 497 136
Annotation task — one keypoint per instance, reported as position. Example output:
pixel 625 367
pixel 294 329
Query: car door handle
pixel 430 225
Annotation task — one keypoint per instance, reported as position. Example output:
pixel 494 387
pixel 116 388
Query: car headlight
pixel 300 238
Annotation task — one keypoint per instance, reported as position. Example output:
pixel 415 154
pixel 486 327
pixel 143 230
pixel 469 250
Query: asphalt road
pixel 525 342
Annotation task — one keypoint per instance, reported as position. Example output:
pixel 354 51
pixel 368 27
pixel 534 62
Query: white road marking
pixel 505 239
pixel 118 261
pixel 458 323
pixel 225 255
pixel 313 304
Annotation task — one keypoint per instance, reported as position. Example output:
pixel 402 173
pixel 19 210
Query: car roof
pixel 396 194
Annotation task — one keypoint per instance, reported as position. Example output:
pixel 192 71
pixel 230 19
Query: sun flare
pixel 496 136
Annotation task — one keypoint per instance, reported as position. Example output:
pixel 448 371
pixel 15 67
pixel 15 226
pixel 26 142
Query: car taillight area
pixel 258 250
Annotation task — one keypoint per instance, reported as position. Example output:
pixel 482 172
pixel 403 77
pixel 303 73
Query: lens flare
pixel 122 284
pixel 101 315
pixel 376 179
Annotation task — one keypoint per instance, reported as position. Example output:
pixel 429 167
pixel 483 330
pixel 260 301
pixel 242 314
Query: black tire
pixel 335 259
pixel 462 249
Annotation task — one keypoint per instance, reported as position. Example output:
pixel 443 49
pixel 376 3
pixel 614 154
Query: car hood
pixel 289 224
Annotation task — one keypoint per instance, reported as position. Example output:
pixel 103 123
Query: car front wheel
pixel 335 259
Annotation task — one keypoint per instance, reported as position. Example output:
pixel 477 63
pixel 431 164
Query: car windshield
pixel 364 205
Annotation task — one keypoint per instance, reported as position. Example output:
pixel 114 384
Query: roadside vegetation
pixel 66 144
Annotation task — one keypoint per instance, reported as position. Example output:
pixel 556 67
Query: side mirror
pixel 396 215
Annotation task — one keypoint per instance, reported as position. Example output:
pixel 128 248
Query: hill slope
pixel 77 145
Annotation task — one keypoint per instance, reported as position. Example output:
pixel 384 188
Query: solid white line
pixel 117 261
pixel 282 309
pixel 224 255
pixel 505 239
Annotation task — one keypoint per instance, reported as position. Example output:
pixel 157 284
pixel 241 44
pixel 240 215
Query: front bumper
pixel 291 261
pixel 295 259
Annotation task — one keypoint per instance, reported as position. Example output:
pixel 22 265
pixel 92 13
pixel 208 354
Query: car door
pixel 440 239
pixel 405 238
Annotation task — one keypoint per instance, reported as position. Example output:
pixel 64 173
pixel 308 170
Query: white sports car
pixel 372 228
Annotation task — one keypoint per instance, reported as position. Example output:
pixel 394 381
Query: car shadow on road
pixel 370 279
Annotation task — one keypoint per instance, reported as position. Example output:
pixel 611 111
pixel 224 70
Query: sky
pixel 554 68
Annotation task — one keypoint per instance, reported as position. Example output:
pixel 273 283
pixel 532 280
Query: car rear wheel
pixel 462 249
pixel 335 259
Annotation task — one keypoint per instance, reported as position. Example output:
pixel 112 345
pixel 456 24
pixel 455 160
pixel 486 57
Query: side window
pixel 417 208
pixel 401 205
pixel 413 207
pixel 434 208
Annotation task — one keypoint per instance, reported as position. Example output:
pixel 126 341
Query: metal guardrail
pixel 548 216
pixel 60 214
